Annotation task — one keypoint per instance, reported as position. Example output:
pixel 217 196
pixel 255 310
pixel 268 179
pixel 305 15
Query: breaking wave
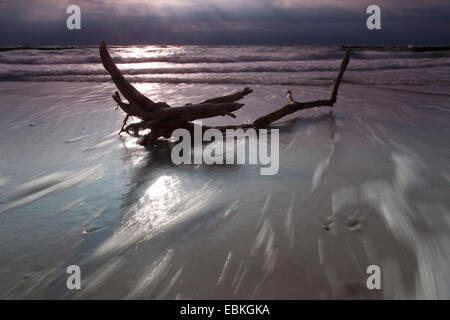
pixel 227 65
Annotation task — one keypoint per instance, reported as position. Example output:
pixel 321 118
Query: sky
pixel 230 22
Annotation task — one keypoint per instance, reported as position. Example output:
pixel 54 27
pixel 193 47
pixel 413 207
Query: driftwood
pixel 162 119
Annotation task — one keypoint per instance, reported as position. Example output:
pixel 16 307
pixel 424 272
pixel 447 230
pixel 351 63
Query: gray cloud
pixel 257 22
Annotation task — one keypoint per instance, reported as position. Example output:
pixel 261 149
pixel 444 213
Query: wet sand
pixel 364 183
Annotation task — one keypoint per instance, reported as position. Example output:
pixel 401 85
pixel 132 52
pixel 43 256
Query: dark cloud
pixel 264 22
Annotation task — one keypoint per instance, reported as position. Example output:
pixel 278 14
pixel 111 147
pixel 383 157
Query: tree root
pixel 162 119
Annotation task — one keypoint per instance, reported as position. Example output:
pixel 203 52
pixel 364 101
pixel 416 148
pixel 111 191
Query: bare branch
pixel 198 111
pixel 294 106
pixel 124 123
pixel 133 109
pixel 338 80
pixel 230 98
pixel 128 91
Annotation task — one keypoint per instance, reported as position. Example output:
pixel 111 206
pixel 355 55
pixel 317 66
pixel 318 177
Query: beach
pixel 363 183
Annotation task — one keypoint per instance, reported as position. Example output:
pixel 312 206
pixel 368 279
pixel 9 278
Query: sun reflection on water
pixel 155 208
pixel 148 57
pixel 148 51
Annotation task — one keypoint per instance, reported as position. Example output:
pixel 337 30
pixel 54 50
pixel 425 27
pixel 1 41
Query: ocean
pixel 364 183
pixel 255 65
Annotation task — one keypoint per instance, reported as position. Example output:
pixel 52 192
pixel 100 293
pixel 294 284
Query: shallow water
pixel 366 182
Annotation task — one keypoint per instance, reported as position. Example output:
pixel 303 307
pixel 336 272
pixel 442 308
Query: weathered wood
pixel 127 90
pixel 133 109
pixel 198 111
pixel 338 80
pixel 231 97
pixel 294 106
pixel 124 123
pixel 288 109
pixel 162 119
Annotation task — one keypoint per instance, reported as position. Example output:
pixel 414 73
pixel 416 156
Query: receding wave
pixel 223 69
pixel 233 80
pixel 316 66
pixel 176 80
pixel 92 57
pixel 169 59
